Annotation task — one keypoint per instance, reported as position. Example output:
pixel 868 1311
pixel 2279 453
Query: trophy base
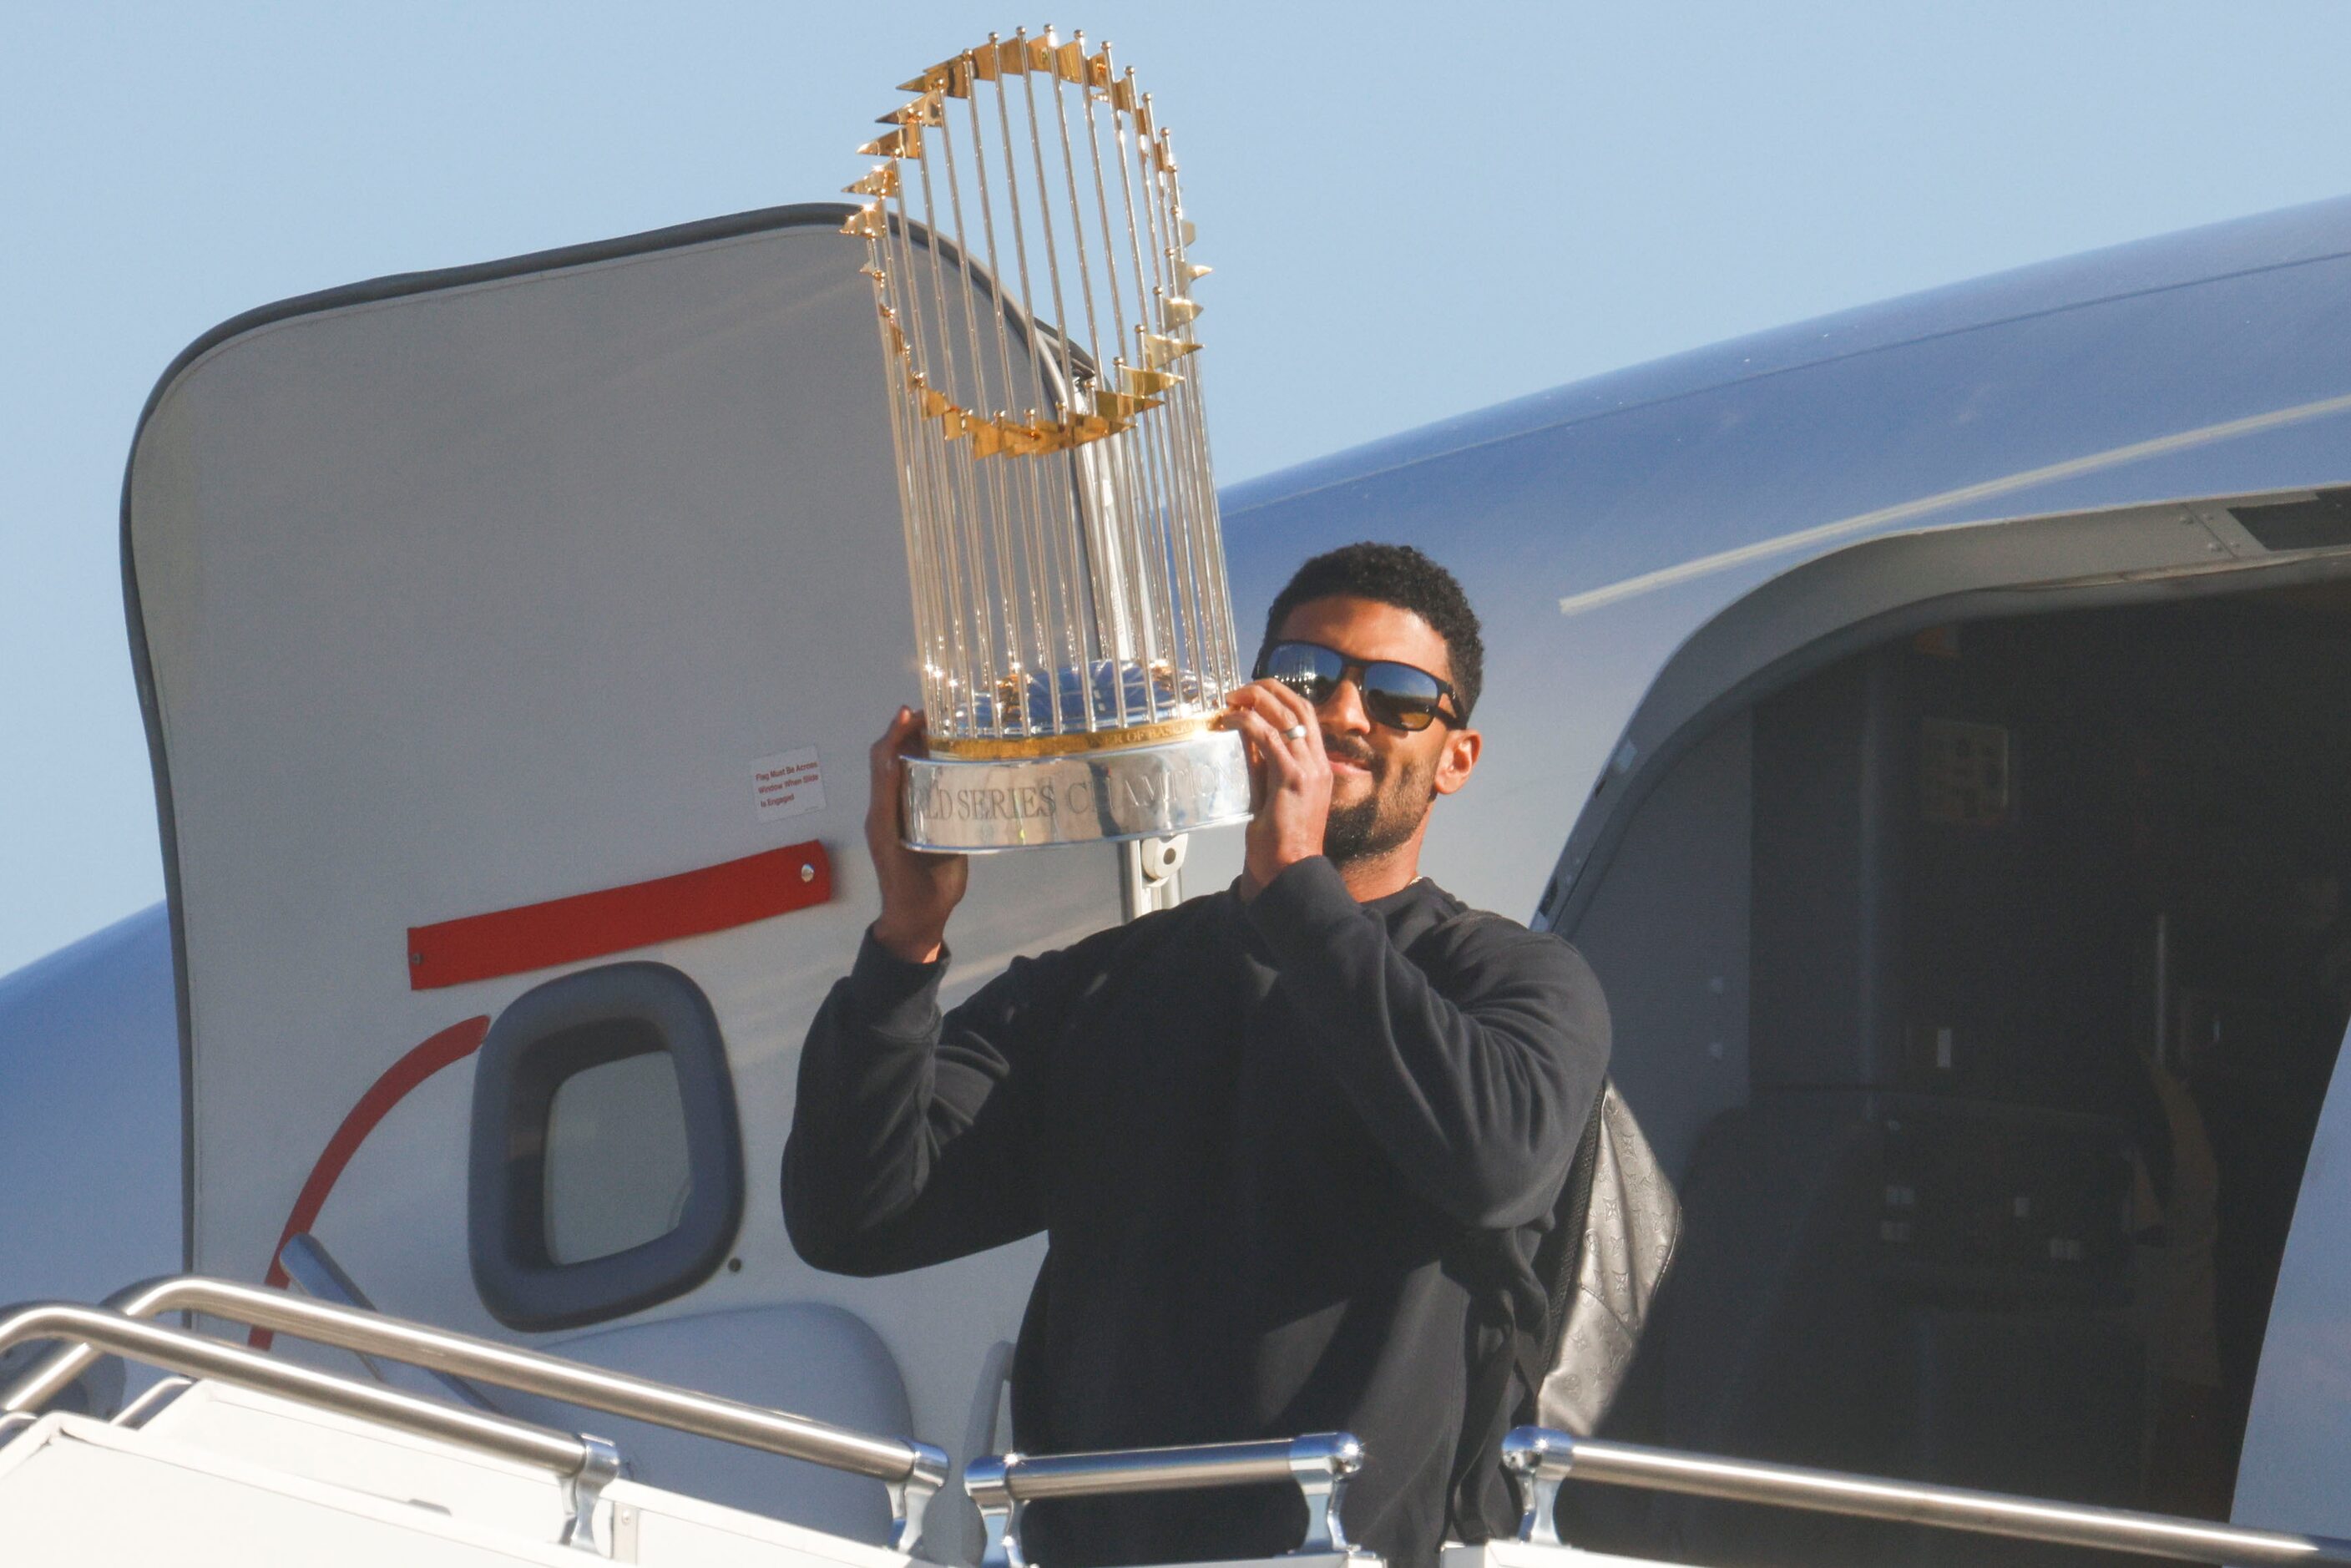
pixel 973 806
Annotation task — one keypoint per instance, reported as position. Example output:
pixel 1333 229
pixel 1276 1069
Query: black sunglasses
pixel 1402 696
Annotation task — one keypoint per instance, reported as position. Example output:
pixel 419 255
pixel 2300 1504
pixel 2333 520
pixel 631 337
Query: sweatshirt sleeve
pixel 1479 1095
pixel 906 1140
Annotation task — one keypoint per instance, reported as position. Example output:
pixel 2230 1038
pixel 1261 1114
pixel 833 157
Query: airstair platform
pixel 224 1476
pixel 240 1456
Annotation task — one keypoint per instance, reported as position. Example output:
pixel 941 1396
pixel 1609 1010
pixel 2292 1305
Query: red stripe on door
pixel 453 1044
pixel 592 924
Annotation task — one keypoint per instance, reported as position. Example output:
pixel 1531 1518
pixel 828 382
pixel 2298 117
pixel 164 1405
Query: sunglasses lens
pixel 1401 695
pixel 1399 713
pixel 1309 671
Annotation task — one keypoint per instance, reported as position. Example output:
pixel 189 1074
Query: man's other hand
pixel 1290 780
pixel 919 890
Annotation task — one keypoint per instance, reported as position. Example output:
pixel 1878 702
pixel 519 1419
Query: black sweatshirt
pixel 1293 1157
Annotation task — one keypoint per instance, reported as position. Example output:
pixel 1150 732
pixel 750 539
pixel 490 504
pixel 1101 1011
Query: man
pixel 1293 1143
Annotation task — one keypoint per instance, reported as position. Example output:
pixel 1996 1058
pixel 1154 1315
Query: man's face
pixel 1383 779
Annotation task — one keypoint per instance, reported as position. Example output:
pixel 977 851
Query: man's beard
pixel 1385 819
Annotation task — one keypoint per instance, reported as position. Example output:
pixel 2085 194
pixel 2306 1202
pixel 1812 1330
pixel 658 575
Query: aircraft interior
pixel 1982 989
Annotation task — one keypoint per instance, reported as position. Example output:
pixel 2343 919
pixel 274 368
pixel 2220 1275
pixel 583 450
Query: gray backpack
pixel 1612 1242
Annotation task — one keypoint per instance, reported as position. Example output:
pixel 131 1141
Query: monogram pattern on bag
pixel 1629 1235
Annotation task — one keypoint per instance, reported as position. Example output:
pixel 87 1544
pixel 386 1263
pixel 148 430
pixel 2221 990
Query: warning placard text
pixel 787 784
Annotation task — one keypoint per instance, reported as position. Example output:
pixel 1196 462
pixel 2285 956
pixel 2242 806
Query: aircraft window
pixel 616 1169
pixel 607 1166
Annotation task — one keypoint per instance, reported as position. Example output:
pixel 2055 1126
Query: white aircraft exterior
pixel 530 621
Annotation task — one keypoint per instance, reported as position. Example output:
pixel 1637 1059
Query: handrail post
pixel 584 1488
pixel 910 1500
pixel 1322 1464
pixel 1527 1453
pixel 987 1482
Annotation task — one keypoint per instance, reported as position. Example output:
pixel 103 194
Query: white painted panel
pixel 94 1498
pixel 303 1440
pixel 816 1360
pixel 229 1476
pixel 305 1444
pixel 495 593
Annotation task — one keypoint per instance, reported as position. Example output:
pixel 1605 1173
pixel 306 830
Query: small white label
pixel 787 784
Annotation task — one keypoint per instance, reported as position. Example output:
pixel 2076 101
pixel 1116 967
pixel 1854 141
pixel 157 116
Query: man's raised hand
pixel 919 889
pixel 1289 779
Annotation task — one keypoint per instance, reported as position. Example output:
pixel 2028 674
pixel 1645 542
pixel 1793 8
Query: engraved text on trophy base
pixel 1099 797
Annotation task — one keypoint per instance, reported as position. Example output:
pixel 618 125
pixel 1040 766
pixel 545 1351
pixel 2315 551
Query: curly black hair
pixel 1402 575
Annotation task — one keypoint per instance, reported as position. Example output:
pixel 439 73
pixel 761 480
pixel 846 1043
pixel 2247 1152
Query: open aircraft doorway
pixel 2028 903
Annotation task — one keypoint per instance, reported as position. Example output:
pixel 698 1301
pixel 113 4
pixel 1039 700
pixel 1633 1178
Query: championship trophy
pixel 1033 287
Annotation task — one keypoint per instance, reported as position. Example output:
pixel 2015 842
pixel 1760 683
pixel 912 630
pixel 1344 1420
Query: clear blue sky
pixel 1414 211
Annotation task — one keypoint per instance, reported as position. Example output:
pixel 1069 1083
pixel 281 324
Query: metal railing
pixel 584 1464
pixel 1538 1460
pixel 315 1273
pixel 1002 1485
pixel 912 1471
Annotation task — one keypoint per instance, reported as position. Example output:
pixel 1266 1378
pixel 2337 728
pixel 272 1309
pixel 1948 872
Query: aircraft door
pixel 501 622
pixel 2048 959
pixel 2295 1470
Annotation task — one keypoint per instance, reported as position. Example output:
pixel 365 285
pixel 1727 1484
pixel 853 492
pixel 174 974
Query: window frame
pixel 544 1036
